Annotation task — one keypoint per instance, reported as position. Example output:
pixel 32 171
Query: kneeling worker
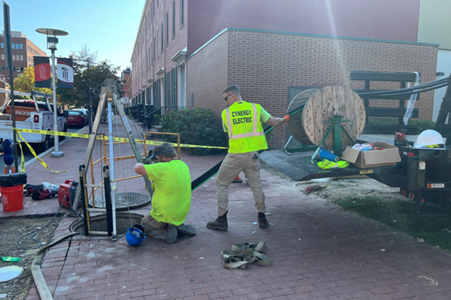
pixel 171 201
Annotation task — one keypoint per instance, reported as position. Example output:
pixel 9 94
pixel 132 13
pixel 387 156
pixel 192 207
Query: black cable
pixel 391 94
pixel 426 85
pixel 411 90
pixel 35 232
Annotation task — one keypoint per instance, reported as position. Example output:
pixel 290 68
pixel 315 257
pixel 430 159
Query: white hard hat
pixel 429 137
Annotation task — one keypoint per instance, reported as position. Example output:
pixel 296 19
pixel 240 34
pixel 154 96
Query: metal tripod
pixel 108 95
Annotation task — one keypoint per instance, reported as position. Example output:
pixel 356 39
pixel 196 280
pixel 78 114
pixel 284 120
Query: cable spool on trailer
pixel 310 125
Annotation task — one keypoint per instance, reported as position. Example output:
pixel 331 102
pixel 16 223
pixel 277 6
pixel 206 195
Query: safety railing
pixel 107 161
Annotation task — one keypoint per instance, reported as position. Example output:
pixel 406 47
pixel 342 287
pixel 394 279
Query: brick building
pixel 124 79
pixel 187 59
pixel 22 52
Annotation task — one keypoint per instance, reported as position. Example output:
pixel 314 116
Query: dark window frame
pixel 173 19
pixel 162 37
pixel 154 49
pixel 182 13
pixel 167 28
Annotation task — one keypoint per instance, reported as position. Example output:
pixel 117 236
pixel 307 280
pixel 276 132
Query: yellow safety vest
pixel 244 127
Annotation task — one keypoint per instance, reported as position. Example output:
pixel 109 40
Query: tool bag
pixel 38 192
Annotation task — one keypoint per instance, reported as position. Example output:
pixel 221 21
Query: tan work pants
pixel 153 228
pixel 232 165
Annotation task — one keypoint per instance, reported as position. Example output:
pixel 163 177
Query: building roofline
pixel 139 27
pixel 311 35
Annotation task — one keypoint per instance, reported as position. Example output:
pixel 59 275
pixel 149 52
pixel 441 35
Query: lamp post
pixel 52 41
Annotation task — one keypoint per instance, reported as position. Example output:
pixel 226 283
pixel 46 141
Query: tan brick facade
pixel 264 64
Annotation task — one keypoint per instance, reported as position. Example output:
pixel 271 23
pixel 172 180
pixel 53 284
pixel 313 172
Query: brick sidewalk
pixel 317 250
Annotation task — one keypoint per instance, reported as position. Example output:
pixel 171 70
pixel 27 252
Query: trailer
pixel 334 118
pixel 30 114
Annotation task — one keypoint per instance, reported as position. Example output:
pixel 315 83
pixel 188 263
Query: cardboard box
pixel 373 158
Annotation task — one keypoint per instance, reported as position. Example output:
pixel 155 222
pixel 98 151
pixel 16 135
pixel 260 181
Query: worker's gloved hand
pixel 287 118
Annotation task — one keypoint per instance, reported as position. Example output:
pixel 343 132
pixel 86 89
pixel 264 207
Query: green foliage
pixel 422 124
pixel 382 121
pixel 24 82
pixel 89 74
pixel 157 119
pixel 401 215
pixel 197 127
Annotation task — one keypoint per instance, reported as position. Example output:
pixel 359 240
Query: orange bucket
pixel 12 198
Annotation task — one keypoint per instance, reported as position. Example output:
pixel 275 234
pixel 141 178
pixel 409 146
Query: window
pixel 21 46
pixel 173 18
pixel 12 46
pixel 21 57
pixel 162 37
pixel 154 49
pixel 3 56
pixel 3 46
pixel 167 28
pixel 14 57
pixel 182 12
pixel 14 69
pixel 22 69
pixel 170 86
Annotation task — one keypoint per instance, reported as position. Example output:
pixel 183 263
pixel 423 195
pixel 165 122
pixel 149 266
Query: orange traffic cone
pixel 5 170
pixel 237 179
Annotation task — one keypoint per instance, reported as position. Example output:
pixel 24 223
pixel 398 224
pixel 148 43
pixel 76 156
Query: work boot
pixel 262 222
pixel 171 234
pixel 219 224
pixel 186 229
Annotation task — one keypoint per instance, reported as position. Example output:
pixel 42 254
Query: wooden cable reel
pixel 307 126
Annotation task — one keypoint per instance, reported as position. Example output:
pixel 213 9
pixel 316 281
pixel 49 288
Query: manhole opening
pixel 124 201
pixel 98 223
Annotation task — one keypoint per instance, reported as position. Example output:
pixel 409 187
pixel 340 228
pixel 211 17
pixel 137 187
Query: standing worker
pixel 171 201
pixel 243 123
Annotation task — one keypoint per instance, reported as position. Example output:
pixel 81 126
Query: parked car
pixel 84 110
pixel 76 118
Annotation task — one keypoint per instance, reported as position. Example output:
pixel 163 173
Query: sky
pixel 106 26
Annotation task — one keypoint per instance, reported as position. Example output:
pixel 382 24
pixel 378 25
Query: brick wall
pixel 207 75
pixel 265 64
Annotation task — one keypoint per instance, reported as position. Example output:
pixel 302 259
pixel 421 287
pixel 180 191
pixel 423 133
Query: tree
pixel 25 82
pixel 89 75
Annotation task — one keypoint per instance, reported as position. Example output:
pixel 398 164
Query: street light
pixel 52 41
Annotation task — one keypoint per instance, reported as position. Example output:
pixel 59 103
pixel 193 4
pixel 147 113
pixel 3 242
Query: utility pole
pixel 9 64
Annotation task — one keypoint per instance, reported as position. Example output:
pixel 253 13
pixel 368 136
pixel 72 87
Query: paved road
pixel 27 154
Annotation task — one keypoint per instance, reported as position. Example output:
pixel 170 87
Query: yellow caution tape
pixel 115 139
pixel 22 159
pixel 38 158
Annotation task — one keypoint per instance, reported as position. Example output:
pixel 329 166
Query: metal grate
pixel 124 201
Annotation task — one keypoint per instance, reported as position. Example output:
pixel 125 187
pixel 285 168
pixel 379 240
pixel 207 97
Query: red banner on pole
pixel 41 71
